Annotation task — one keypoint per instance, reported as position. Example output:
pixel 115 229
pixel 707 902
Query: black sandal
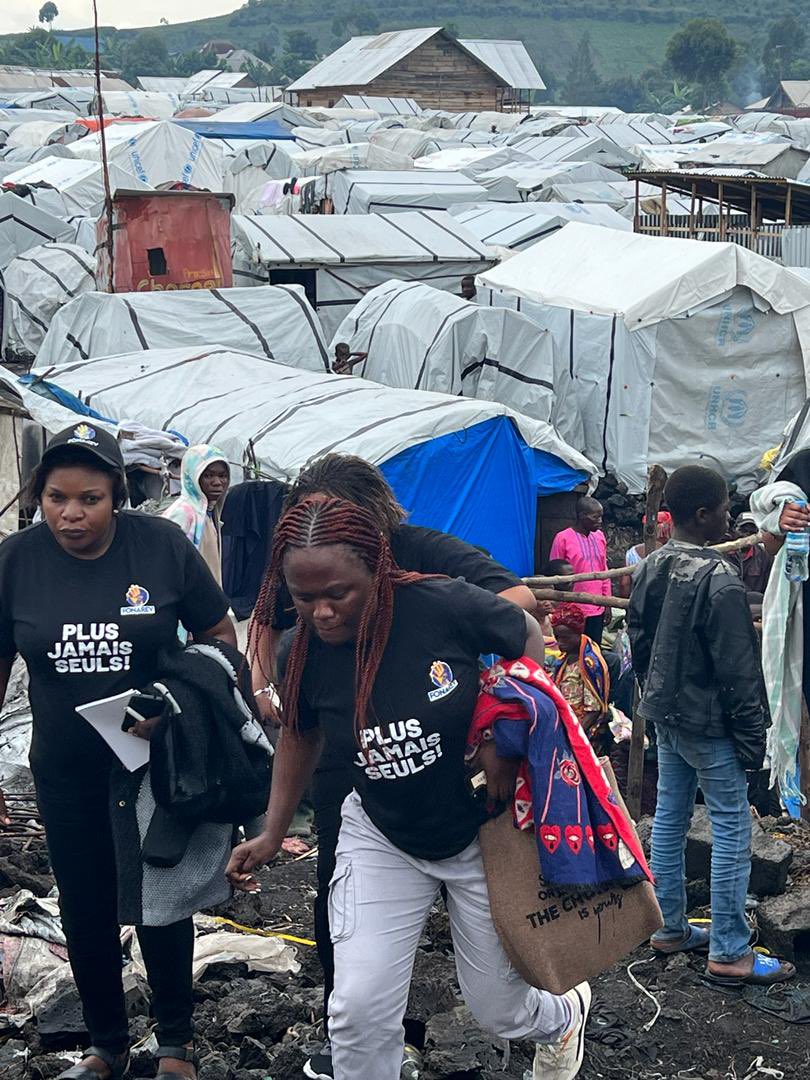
pixel 118 1065
pixel 182 1053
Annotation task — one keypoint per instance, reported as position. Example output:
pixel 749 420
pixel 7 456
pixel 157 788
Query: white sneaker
pixel 562 1060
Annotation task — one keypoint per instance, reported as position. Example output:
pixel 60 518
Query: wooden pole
pixel 656 479
pixel 582 598
pixel 623 571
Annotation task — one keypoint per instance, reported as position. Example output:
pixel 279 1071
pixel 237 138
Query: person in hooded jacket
pixel 197 509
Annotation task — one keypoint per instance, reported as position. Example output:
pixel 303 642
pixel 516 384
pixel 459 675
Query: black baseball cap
pixel 85 435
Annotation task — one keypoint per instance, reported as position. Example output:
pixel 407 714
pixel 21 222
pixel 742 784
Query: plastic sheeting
pixel 351 156
pixel 519 226
pixel 289 418
pixel 341 257
pixel 275 321
pixel 37 284
pixel 160 106
pixel 23 226
pixel 599 150
pixel 419 338
pixel 516 181
pixel 644 279
pixel 247 173
pixel 67 186
pixel 472 161
pixel 357 192
pixel 158 153
pixel 715 381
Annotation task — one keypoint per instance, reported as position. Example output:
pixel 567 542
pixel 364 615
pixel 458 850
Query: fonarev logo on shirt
pixel 441 675
pixel 137 598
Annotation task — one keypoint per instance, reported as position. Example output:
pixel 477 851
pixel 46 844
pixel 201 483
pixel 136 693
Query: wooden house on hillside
pixel 428 65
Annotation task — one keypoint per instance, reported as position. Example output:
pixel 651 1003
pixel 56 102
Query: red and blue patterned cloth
pixel 584 838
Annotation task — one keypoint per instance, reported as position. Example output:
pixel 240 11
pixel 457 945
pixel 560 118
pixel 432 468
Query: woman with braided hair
pixel 344 476
pixel 383 668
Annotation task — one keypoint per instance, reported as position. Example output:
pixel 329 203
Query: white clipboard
pixel 106 716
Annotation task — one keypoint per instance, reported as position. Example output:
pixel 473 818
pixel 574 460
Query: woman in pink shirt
pixel 585 547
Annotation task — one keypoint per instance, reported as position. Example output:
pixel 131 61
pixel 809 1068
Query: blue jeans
pixel 684 762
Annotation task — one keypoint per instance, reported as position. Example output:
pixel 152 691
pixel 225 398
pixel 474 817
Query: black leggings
pixel 80 845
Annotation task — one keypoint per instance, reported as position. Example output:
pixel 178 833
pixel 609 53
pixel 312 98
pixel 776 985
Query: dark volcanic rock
pixel 770 858
pixel 784 922
pixel 252 1054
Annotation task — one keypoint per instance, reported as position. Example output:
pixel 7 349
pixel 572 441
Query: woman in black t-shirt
pixel 345 476
pixel 88 598
pixel 384 667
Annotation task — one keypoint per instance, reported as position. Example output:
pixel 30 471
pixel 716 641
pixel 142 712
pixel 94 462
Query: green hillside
pixel 626 36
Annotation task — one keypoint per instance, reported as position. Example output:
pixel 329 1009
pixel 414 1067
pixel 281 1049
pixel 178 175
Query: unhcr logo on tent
pixel 729 407
pixel 735 326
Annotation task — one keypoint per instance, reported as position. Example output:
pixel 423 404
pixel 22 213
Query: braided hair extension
pixel 316 522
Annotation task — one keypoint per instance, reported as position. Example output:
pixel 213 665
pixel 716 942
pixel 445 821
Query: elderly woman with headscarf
pixel 203 486
pixel 582 674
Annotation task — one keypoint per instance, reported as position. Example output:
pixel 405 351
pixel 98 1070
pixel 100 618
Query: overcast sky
pixel 18 15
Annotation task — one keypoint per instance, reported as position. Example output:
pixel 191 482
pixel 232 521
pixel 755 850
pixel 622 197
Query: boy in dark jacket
pixel 697 658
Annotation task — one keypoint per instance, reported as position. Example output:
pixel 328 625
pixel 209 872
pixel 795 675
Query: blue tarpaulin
pixel 256 129
pixel 480 484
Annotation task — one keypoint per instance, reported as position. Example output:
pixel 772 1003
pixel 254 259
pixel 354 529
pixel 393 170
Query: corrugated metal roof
pixel 508 60
pixel 363 59
pixel 796 90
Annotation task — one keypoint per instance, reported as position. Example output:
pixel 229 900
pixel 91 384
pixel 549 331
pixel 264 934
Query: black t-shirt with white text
pixel 91 628
pixel 409 768
pixel 427 551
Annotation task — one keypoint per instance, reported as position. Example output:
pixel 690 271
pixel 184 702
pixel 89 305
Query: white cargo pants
pixel 379 901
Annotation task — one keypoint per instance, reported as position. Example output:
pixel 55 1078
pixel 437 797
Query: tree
pixel 47 13
pixel 261 74
pixel 625 92
pixel 145 54
pixel 266 46
pixel 702 52
pixel 783 48
pixel 582 84
pixel 300 44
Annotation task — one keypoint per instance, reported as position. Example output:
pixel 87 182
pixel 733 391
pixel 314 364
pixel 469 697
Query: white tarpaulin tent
pixel 68 186
pixel 157 106
pixel 517 181
pixel 668 350
pixel 248 172
pixel 472 161
pixel 358 192
pixel 351 156
pixel 23 226
pixel 39 133
pixel 340 257
pixel 574 148
pixel 519 225
pixel 156 153
pixel 420 338
pixel 385 106
pixel 36 285
pixel 275 321
pixel 458 464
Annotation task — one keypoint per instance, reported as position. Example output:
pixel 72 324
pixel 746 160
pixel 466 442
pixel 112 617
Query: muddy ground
pixel 260 1027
